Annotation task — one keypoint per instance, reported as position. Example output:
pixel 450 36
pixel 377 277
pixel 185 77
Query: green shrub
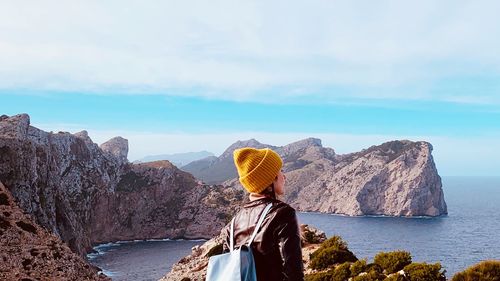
pixel 483 271
pixel 370 276
pixel 358 267
pixel 393 261
pixel 374 267
pixel 335 242
pixel 321 276
pixel 332 251
pixel 424 272
pixel 340 273
pixel 396 277
pixel 328 257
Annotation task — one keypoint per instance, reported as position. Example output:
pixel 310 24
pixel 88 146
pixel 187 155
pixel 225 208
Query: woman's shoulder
pixel 283 210
pixel 279 209
pixel 277 205
pixel 282 206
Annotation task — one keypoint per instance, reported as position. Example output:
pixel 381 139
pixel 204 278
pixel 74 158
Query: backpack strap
pixel 231 236
pixel 259 223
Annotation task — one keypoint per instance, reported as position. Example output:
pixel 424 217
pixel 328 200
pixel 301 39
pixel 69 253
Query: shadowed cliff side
pixel 29 252
pixel 156 200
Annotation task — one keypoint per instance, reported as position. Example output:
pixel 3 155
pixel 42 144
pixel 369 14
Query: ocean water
pixel 469 234
pixel 140 260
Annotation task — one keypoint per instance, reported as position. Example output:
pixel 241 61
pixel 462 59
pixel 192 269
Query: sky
pixel 179 76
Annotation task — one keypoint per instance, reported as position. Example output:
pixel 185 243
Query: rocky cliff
pixel 87 194
pixel 29 252
pixel 397 178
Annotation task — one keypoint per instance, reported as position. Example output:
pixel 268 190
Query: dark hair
pixel 269 191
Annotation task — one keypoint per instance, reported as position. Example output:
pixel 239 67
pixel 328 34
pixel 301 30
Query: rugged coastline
pixel 86 194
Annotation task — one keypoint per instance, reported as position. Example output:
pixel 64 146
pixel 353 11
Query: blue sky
pixel 175 77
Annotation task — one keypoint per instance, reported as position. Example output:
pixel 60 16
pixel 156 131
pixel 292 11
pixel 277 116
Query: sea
pixel 470 233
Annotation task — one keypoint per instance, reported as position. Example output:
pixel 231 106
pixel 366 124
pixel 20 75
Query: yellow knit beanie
pixel 257 168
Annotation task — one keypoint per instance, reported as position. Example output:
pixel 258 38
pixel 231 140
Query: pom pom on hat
pixel 257 168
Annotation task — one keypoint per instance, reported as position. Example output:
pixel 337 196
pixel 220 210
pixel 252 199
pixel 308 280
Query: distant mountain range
pixel 178 159
pixel 215 170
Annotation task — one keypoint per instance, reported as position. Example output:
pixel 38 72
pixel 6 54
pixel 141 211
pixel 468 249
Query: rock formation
pixel 194 266
pixel 397 178
pixel 156 200
pixel 29 252
pixel 117 147
pixel 86 194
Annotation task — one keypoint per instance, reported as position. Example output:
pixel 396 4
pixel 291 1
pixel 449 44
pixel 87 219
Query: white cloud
pixel 233 48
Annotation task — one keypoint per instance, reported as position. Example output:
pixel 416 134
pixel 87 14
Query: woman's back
pixel 276 247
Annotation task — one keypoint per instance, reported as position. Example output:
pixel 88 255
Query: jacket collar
pixel 265 200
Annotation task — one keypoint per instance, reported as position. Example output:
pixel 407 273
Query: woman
pixel 276 247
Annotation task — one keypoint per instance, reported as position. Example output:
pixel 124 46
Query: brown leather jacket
pixel 276 248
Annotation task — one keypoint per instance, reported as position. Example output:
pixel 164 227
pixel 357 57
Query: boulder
pixel 118 147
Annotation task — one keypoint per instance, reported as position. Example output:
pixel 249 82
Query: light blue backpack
pixel 238 264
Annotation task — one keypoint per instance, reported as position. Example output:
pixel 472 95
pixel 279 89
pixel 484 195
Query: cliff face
pixel 397 178
pixel 156 200
pixel 55 177
pixel 86 194
pixel 29 252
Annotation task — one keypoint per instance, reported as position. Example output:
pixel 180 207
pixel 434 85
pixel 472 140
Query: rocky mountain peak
pixel 299 146
pixel 306 142
pixel 117 147
pixel 239 144
pixel 84 135
pixel 15 126
pixel 392 149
